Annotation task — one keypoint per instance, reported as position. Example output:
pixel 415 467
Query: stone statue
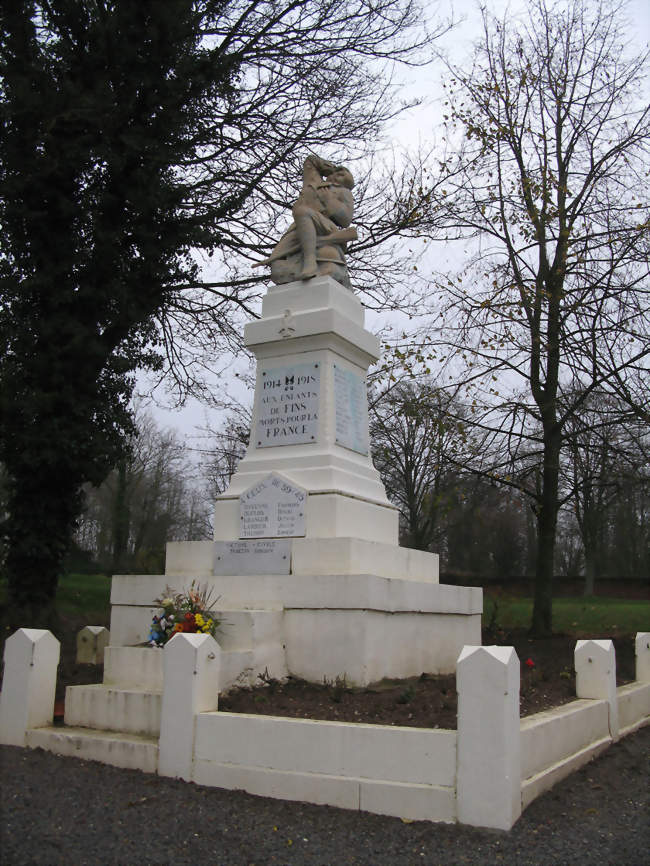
pixel 315 243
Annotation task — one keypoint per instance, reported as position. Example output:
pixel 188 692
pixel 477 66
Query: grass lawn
pixel 575 616
pixel 80 595
pixel 87 594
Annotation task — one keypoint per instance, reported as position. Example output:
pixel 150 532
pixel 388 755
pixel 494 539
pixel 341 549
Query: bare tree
pixel 226 446
pixel 548 188
pixel 152 496
pixel 413 433
pixel 607 467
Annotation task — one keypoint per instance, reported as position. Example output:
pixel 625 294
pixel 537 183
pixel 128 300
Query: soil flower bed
pixel 427 701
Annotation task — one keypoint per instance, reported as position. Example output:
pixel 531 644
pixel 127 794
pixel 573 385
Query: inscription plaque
pixel 350 401
pixel 261 556
pixel 273 508
pixel 287 412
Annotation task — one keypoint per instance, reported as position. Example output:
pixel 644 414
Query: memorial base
pixel 344 607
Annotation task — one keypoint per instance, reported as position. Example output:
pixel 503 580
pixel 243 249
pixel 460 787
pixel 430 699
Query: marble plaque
pixel 272 508
pixel 260 556
pixel 351 404
pixel 288 405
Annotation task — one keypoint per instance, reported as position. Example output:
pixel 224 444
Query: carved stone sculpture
pixel 315 243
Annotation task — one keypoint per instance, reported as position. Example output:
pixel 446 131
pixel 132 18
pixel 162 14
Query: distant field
pixel 608 616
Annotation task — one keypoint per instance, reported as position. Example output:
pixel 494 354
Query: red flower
pixel 189 626
pixel 530 663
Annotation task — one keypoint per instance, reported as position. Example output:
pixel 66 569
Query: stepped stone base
pixel 320 625
pixel 312 556
pixel 130 751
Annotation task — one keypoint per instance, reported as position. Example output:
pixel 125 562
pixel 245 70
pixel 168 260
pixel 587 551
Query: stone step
pixel 108 708
pixel 133 667
pixel 131 751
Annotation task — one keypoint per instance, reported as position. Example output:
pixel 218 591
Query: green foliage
pixel 271 682
pixel 406 696
pixel 100 104
pixel 336 687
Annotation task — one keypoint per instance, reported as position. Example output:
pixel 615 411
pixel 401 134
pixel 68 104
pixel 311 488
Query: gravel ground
pixel 62 810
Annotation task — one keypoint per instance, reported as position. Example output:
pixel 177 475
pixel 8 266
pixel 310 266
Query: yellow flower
pixel 198 619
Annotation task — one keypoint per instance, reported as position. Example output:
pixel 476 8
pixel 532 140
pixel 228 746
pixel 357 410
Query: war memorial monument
pixel 310 582
pixel 305 559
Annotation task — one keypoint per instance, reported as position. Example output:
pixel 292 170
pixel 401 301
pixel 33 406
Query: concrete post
pixel 191 669
pixel 642 649
pixel 595 664
pixel 91 643
pixel 488 758
pixel 31 658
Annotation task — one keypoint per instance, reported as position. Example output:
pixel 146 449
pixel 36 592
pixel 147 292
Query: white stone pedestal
pixel 314 331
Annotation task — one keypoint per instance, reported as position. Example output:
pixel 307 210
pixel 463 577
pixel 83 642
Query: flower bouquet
pixel 187 611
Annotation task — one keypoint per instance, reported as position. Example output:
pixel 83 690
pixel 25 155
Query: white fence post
pixel 27 701
pixel 595 664
pixel 191 669
pixel 642 650
pixel 91 643
pixel 488 760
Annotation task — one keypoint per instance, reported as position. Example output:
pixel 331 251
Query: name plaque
pixel 262 556
pixel 288 407
pixel 351 405
pixel 272 508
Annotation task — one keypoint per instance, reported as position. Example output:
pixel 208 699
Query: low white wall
pixel 557 742
pixel 633 706
pixel 553 735
pixel 407 772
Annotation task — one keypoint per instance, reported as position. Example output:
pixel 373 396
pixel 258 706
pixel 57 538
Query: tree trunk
pixel 542 621
pixel 590 573
pixel 593 527
pixel 121 521
pixel 41 509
